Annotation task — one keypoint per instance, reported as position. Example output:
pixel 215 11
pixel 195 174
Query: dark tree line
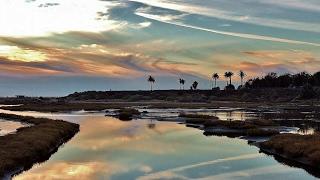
pixel 285 80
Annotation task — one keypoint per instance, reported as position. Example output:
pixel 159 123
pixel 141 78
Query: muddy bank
pixel 30 145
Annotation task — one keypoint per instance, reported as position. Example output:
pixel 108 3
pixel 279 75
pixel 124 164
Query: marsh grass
pixel 32 144
pixel 127 114
pixel 56 107
pixel 254 128
pixel 302 148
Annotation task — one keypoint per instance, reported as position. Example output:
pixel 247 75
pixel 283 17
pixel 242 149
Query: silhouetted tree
pixel 229 75
pixel 215 76
pixel 301 79
pixel 272 80
pixel 195 85
pixel 182 81
pixel 316 79
pixel 151 80
pixel 242 75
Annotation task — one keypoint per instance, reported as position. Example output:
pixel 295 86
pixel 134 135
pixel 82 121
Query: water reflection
pixel 7 127
pixel 106 148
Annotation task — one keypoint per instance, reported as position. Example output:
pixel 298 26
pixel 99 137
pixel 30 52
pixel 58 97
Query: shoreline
pixel 34 144
pixel 254 135
pixel 293 162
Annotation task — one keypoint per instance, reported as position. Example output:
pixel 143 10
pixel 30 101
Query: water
pixel 107 148
pixel 8 127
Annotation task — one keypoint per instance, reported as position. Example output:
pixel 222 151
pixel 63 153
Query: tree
pixel 301 79
pixel 195 85
pixel 242 75
pixel 151 80
pixel 215 76
pixel 182 81
pixel 316 79
pixel 229 75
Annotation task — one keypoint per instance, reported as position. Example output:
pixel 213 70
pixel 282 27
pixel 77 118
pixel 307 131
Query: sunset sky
pixel 56 47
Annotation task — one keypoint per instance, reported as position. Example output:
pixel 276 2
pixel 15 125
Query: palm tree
pixel 215 76
pixel 242 75
pixel 229 75
pixel 195 85
pixel 151 80
pixel 181 81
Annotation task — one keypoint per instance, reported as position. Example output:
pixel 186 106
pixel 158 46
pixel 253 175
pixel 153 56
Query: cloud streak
pixel 225 10
pixel 234 34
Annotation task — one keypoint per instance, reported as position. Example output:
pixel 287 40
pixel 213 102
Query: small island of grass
pixel 32 144
pixel 127 114
pixel 303 149
pixel 213 126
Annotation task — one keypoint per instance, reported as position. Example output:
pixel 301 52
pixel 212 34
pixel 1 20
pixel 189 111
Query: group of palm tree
pixel 215 77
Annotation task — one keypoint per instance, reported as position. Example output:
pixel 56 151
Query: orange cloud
pixel 69 171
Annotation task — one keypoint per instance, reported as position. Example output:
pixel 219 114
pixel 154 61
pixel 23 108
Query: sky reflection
pixel 107 148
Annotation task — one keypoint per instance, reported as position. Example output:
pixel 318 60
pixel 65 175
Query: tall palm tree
pixel 195 85
pixel 151 80
pixel 182 81
pixel 229 75
pixel 215 76
pixel 242 75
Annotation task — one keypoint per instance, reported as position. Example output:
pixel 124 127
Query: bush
pixel 127 114
pixel 230 87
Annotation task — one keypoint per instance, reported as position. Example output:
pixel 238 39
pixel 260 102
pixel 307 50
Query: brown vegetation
pixel 301 148
pixel 32 144
pixel 241 128
pixel 56 107
pixel 127 113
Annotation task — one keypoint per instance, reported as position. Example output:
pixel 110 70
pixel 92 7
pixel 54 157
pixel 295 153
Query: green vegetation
pixel 301 148
pixel 32 144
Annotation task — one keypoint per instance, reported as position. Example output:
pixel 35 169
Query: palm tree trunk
pixel 230 81
pixel 215 83
pixel 150 86
pixel 241 81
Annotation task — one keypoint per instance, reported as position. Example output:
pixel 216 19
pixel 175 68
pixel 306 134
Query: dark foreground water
pixel 107 148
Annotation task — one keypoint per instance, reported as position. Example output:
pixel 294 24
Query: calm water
pixel 7 127
pixel 107 148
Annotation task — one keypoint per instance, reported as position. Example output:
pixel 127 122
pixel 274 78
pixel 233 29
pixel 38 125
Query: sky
pixel 56 47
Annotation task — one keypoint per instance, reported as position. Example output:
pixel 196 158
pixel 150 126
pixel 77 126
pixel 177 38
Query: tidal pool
pixel 107 148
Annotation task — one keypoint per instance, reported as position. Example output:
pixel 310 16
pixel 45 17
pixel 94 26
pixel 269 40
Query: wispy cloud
pixel 171 173
pixel 234 34
pixel 238 15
